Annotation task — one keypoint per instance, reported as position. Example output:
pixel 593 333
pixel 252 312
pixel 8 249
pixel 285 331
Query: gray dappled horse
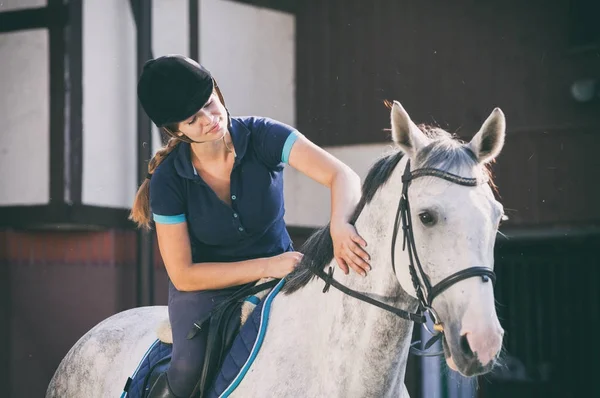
pixel 431 248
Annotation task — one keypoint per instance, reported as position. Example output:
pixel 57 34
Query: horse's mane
pixel 445 152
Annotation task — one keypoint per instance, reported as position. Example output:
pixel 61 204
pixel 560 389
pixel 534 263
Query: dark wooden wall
pixel 547 302
pixel 56 286
pixel 450 64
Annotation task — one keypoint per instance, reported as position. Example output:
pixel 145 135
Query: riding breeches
pixel 187 357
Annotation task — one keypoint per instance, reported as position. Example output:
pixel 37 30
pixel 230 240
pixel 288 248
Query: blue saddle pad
pixel 244 348
pixel 134 388
pixel 238 360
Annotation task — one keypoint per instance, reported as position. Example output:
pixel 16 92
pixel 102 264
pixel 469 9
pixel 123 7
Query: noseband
pixel 426 293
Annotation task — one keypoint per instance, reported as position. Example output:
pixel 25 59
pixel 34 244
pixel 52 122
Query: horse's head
pixel 454 228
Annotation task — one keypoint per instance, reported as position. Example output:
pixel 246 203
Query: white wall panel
pixel 308 203
pixel 109 103
pixel 25 116
pixel 170 35
pixel 14 5
pixel 250 51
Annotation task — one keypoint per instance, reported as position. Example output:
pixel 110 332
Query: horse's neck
pixel 373 341
pixel 392 333
pixel 360 349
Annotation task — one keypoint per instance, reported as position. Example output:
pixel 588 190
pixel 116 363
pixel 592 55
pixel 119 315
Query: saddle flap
pixel 224 326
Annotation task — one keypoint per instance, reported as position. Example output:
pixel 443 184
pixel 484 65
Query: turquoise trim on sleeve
pixel 287 147
pixel 169 219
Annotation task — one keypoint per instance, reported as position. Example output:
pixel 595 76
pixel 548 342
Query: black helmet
pixel 173 88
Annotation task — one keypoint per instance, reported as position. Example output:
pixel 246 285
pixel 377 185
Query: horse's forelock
pixel 448 153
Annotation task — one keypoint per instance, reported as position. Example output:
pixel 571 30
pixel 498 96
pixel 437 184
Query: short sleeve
pixel 273 140
pixel 167 202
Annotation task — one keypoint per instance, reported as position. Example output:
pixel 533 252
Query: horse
pixel 430 216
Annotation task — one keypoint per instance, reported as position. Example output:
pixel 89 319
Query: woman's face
pixel 208 124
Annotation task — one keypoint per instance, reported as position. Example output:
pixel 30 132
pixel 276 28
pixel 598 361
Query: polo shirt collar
pixel 183 160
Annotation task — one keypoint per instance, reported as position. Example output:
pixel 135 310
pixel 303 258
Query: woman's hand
pixel 281 265
pixel 348 248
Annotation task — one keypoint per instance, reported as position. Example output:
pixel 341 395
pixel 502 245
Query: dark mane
pixel 445 153
pixel 318 248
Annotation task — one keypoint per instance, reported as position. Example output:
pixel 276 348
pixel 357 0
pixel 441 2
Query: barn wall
pixel 450 64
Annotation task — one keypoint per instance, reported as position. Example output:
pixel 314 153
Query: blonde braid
pixel 140 211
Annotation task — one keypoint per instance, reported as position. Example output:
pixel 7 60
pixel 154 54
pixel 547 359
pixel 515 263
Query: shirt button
pixel 233 197
pixel 241 229
pixel 235 215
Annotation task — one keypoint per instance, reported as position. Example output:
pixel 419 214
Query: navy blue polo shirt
pixel 253 225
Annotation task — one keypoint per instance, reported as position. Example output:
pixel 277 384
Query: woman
pixel 215 194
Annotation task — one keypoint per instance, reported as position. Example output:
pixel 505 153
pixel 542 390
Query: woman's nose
pixel 205 118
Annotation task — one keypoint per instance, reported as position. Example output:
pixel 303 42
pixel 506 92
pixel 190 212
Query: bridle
pixel 426 293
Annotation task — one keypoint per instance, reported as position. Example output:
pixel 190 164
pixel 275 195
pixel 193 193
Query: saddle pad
pixel 244 348
pixel 134 388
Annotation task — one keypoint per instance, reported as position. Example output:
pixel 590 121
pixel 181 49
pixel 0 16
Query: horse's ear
pixel 489 140
pixel 405 133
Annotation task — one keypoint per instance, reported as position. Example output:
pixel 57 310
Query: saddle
pixel 223 324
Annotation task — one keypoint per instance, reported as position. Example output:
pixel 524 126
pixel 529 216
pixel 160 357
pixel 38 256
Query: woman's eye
pixel 192 121
pixel 427 218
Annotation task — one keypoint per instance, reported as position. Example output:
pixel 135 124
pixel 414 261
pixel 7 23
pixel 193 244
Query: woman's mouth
pixel 213 128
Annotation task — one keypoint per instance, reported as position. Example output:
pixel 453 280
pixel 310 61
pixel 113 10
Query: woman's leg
pixel 187 357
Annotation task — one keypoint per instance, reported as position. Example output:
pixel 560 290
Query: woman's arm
pixel 344 183
pixel 175 249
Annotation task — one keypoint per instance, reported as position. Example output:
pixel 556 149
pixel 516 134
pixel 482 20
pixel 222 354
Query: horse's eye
pixel 427 218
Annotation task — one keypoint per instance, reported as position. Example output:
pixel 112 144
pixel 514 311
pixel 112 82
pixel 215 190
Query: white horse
pixel 335 345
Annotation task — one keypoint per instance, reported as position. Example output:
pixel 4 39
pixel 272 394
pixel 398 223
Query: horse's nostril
pixel 464 346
